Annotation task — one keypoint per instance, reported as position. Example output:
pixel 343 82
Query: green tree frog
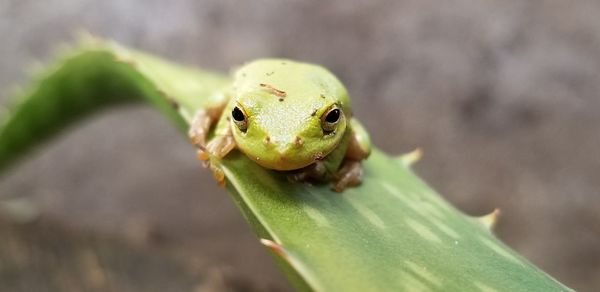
pixel 286 116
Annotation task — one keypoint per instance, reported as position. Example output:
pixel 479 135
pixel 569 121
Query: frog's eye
pixel 330 119
pixel 239 118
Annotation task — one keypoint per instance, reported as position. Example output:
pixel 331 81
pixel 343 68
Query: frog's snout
pixel 284 152
pixel 283 144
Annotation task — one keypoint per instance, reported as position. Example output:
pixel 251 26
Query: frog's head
pixel 286 115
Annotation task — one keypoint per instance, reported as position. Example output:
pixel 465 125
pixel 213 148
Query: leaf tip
pixel 412 157
pixel 490 220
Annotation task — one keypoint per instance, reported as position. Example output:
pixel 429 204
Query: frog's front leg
pixel 203 121
pixel 217 148
pixel 359 148
pixel 220 145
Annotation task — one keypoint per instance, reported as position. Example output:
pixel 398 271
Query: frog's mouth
pixel 283 161
pixel 285 156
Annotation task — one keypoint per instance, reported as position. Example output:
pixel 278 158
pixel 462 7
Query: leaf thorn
pixel 412 157
pixel 489 220
pixel 275 247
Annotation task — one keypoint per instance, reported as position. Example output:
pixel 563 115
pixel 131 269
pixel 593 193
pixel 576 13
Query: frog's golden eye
pixel 330 119
pixel 239 118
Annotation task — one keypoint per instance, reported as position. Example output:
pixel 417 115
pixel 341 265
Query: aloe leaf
pixel 391 233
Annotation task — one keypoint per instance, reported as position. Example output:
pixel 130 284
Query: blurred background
pixel 503 97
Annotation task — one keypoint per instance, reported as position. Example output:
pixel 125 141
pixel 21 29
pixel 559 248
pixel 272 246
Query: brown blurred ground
pixel 503 96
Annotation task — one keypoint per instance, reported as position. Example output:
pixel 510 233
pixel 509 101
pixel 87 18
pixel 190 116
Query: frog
pixel 287 116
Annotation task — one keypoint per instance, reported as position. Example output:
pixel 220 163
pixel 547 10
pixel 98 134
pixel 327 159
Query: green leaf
pixel 391 233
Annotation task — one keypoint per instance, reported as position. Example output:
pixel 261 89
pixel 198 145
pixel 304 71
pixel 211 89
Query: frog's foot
pixel 214 151
pixel 217 148
pixel 315 171
pixel 349 175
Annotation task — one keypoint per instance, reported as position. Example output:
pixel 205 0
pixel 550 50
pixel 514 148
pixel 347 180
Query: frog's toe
pixel 202 154
pixel 218 174
pixel 220 146
pixel 349 175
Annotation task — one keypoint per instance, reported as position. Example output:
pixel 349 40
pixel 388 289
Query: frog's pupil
pixel 237 114
pixel 333 116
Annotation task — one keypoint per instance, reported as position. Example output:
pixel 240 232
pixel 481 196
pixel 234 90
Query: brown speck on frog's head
pixel 281 99
pixel 270 73
pixel 323 96
pixel 314 113
pixel 298 141
pixel 268 140
pixel 273 90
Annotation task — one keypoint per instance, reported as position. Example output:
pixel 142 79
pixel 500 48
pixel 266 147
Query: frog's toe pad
pixel 218 174
pixel 202 154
